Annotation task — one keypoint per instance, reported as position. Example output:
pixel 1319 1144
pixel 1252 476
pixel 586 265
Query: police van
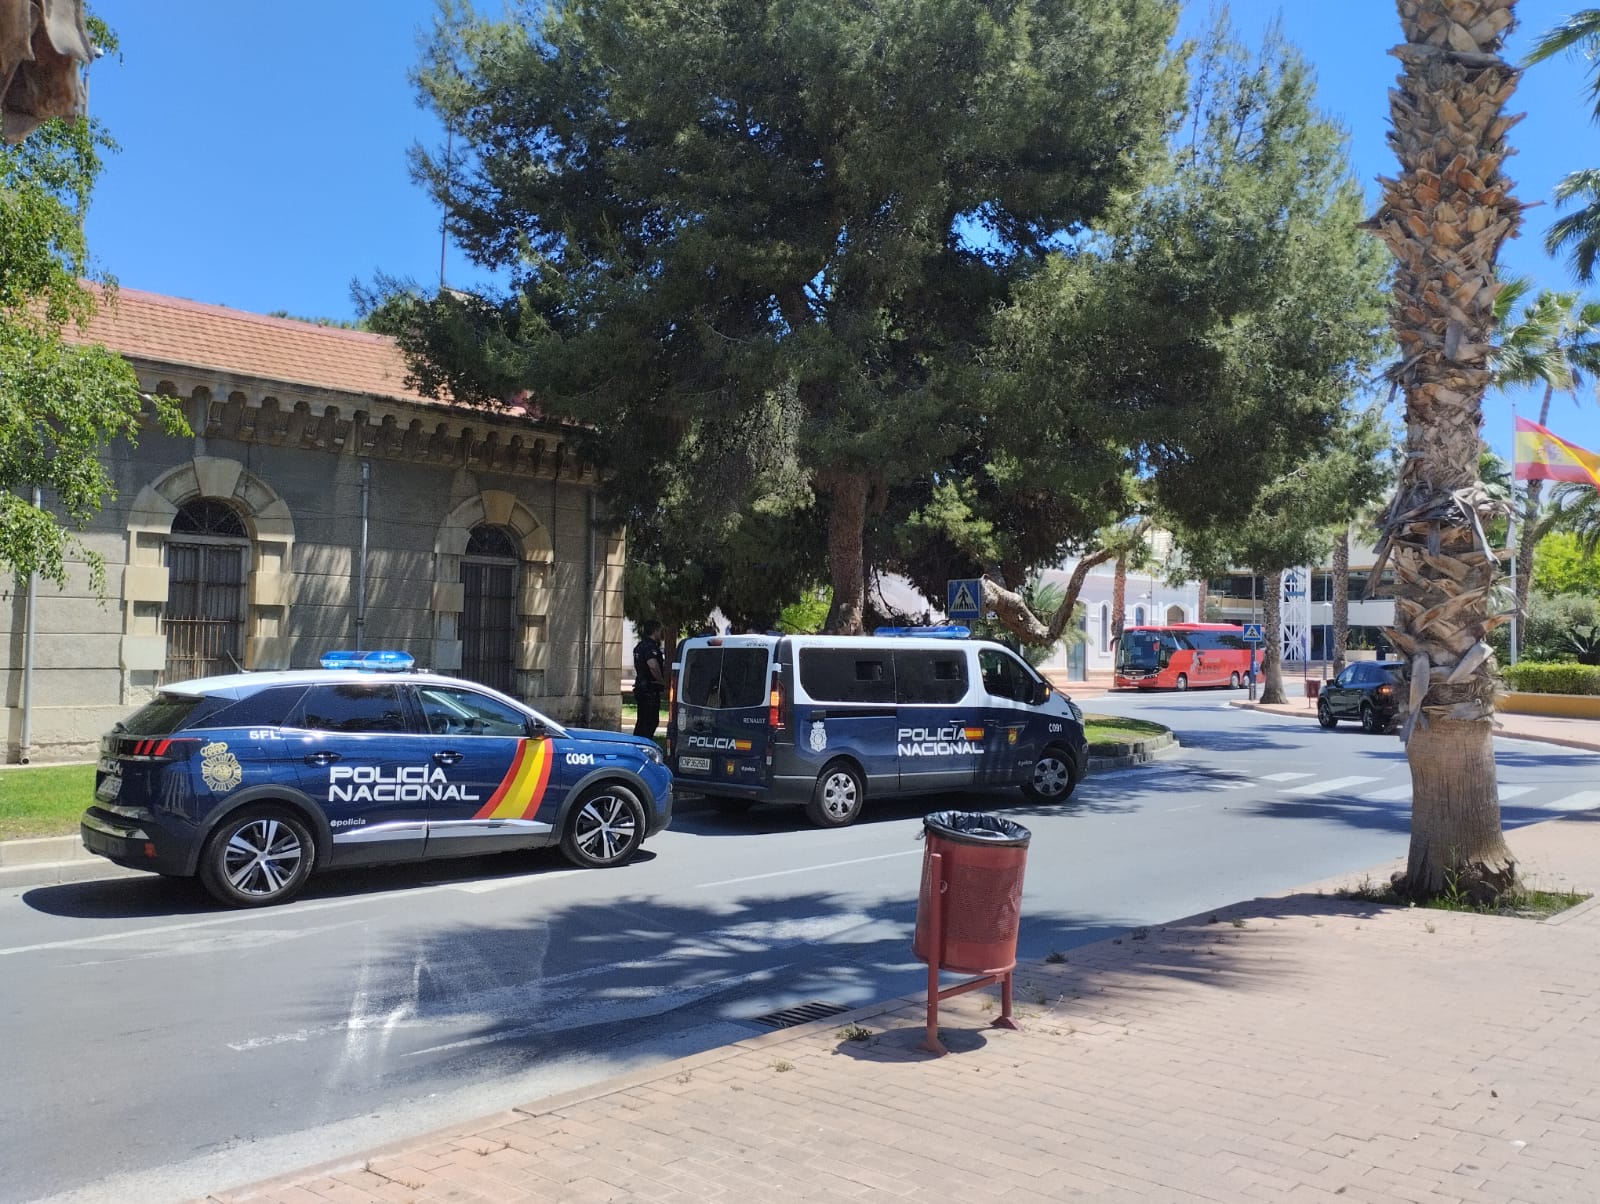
pixel 829 721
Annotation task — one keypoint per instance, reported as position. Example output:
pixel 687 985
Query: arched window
pixel 1105 628
pixel 489 623
pixel 1175 615
pixel 208 559
pixel 1138 616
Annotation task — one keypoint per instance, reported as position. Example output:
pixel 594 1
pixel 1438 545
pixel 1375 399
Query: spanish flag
pixel 1540 456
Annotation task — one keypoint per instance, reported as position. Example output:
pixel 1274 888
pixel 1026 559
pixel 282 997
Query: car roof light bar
pixel 948 631
pixel 388 660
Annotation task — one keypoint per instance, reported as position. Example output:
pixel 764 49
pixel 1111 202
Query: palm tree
pixel 1577 233
pixel 1444 217
pixel 1576 508
pixel 1556 343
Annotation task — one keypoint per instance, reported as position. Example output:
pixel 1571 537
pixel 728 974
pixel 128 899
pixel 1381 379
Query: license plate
pixel 108 789
pixel 695 764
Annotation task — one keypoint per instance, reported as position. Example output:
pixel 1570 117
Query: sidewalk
pixel 1571 733
pixel 1293 1048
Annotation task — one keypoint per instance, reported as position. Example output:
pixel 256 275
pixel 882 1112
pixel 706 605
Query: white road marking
pixel 808 869
pixel 1515 791
pixel 1286 777
pixel 1393 794
pixel 1581 801
pixel 1329 786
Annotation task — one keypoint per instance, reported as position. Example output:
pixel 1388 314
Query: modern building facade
pixel 321 503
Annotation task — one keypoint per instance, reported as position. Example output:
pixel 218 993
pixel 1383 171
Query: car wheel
pixel 1369 719
pixel 1233 681
pixel 1052 779
pixel 604 828
pixel 258 857
pixel 838 797
pixel 1325 714
pixel 1183 681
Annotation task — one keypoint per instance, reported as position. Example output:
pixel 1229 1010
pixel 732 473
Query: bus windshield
pixel 1142 649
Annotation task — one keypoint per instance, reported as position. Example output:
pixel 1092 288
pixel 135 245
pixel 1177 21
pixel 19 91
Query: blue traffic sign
pixel 964 598
pixel 1252 634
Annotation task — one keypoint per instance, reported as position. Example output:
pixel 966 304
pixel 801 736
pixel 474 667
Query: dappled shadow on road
pixel 151 896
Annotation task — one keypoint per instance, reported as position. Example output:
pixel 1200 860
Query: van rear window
pixel 724 678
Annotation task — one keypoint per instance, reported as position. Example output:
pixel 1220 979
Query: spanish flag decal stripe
pixel 972 733
pixel 522 789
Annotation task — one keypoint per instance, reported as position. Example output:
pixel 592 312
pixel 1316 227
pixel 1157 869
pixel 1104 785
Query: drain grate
pixel 801 1013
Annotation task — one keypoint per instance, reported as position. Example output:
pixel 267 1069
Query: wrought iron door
pixel 489 610
pixel 204 616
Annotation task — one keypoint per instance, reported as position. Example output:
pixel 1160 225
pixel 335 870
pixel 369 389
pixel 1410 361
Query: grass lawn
pixel 44 800
pixel 1114 730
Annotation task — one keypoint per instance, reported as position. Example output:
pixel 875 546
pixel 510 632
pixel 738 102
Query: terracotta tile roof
pixel 188 334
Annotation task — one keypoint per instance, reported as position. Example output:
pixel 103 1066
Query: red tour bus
pixel 1175 656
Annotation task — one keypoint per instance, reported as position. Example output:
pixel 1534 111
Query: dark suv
pixel 253 781
pixel 1373 692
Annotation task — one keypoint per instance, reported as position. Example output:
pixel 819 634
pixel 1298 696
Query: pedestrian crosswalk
pixel 1294 786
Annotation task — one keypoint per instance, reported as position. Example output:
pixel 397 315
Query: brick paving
pixel 1294 1048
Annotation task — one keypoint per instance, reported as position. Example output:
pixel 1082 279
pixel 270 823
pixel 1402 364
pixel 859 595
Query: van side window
pixel 929 676
pixel 847 675
pixel 1004 676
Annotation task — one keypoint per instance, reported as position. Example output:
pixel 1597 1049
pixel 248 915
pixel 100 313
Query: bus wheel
pixel 1183 681
pixel 838 797
pixel 1051 780
pixel 1233 682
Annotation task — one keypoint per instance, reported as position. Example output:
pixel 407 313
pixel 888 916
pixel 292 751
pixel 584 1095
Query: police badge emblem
pixel 219 767
pixel 819 736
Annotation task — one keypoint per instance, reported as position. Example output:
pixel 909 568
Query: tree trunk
pixel 1272 624
pixel 1013 613
pixel 1444 219
pixel 1528 535
pixel 1202 595
pixel 847 518
pixel 1341 598
pixel 1119 596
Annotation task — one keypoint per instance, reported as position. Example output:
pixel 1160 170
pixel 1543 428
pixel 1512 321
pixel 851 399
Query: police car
pixel 256 780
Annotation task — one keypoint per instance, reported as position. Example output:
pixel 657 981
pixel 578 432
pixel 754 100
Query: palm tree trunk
pixel 1272 650
pixel 1444 219
pixel 1341 598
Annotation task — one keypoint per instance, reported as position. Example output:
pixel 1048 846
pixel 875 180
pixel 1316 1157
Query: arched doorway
pixel 208 561
pixel 489 608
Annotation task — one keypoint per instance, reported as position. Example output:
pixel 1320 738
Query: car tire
pixel 1052 779
pixel 1369 720
pixel 1183 681
pixel 838 797
pixel 1233 681
pixel 258 857
pixel 1325 714
pixel 604 828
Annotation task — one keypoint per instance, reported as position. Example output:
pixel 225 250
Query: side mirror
pixel 1041 691
pixel 537 729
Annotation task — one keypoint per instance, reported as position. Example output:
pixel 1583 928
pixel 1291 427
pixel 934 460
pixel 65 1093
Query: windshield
pixel 1140 650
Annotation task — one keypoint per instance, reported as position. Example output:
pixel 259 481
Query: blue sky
pixel 263 147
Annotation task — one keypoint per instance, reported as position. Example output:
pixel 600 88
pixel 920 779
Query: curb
pixel 1288 712
pixel 1140 752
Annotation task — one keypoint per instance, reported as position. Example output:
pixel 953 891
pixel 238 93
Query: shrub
pixel 1535 677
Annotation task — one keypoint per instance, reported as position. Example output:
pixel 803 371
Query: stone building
pixel 242 545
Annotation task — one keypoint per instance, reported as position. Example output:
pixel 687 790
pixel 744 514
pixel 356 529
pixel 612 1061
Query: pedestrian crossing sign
pixel 1252 634
pixel 962 598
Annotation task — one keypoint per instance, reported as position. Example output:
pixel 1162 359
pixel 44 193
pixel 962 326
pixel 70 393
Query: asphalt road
pixel 154 1047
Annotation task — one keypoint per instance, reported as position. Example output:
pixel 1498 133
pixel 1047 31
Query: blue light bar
pixel 948 631
pixel 389 660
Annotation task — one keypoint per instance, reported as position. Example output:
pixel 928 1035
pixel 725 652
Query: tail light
pixel 160 748
pixel 672 709
pixel 775 702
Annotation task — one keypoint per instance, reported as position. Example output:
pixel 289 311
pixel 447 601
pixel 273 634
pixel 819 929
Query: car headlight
pixel 1077 711
pixel 653 755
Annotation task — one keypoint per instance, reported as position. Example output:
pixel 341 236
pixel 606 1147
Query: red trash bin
pixel 982 859
pixel 970 906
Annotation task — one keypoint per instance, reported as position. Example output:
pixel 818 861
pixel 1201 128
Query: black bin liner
pixel 976 828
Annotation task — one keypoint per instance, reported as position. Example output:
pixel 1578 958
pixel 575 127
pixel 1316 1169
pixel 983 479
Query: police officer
pixel 649 679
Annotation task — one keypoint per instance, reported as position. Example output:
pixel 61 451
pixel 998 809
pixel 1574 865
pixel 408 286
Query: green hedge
pixel 1535 677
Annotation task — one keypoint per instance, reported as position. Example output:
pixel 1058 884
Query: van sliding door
pixel 938 739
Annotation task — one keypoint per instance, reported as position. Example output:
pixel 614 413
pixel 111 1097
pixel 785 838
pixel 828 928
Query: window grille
pixel 203 620
pixel 489 610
